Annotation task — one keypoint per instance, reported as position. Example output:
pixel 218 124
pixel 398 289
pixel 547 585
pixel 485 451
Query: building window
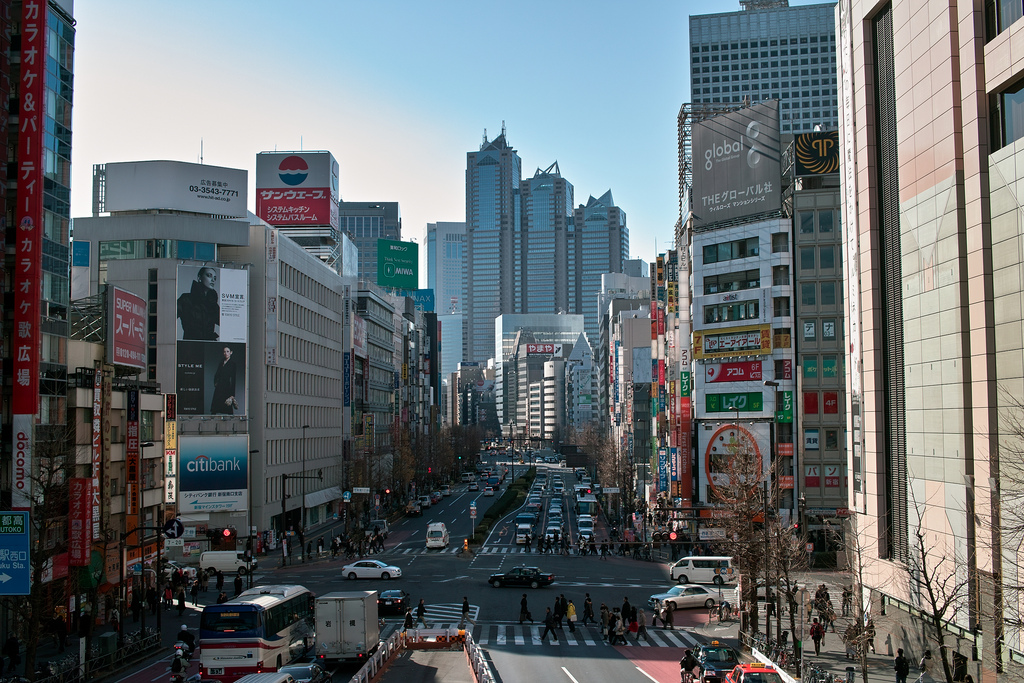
pixel 780 243
pixel 828 293
pixel 808 294
pixel 827 257
pixel 782 338
pixel 780 307
pixel 828 330
pixel 1007 115
pixel 732 282
pixel 728 251
pixel 732 311
pixel 810 330
pixel 806 222
pixel 780 276
pixel 999 14
pixel 807 258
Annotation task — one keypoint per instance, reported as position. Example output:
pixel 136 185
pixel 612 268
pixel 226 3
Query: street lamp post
pixel 250 547
pixel 773 465
pixel 302 524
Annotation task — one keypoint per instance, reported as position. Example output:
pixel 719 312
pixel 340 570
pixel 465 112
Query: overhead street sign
pixel 14 564
pixel 360 489
pixel 174 529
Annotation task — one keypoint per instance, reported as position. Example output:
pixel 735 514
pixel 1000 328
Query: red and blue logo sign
pixel 293 170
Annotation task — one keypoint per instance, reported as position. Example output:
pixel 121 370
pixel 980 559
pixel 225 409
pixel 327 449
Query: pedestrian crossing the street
pixel 490 634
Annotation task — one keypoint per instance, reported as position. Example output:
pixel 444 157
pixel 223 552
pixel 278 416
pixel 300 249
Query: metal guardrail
pixel 391 647
pixel 399 640
pixel 478 662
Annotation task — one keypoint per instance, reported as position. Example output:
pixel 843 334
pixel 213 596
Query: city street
pixel 441 578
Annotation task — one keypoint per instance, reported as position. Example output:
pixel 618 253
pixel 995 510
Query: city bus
pixel 259 630
pixel 587 505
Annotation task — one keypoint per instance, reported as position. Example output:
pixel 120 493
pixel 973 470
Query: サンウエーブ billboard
pixel 297 188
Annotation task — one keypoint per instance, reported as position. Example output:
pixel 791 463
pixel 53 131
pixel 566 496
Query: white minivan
pixel 437 535
pixel 716 569
pixel 227 561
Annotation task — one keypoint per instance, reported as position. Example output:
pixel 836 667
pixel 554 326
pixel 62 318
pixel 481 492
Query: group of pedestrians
pixel 350 548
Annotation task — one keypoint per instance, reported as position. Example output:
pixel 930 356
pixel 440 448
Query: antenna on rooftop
pixel 503 128
pixel 485 136
pixel 200 150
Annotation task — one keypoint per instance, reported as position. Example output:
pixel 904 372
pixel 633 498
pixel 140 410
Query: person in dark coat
pixel 549 626
pixel 238 584
pixel 199 308
pixel 220 580
pixel 181 600
pixel 224 401
pixel 524 611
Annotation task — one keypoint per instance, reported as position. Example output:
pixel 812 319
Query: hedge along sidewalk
pixel 513 497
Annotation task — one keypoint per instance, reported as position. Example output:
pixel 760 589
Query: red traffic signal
pixel 430 470
pixel 387 491
pixel 672 536
pixel 228 534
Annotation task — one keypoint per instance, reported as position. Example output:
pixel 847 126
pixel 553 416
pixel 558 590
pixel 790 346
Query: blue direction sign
pixel 174 528
pixel 14 565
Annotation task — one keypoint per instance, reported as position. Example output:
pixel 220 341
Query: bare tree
pixel 935 587
pixel 54 465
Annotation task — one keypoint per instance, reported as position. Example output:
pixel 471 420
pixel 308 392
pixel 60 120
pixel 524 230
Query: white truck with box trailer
pixel 347 628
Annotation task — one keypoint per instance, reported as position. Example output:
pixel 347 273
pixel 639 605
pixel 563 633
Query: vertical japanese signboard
pixel 171 449
pixel 79 522
pixel 28 248
pixel 97 445
pixel 131 446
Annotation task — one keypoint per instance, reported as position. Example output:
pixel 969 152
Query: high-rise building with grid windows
pixel 365 223
pixel 766 51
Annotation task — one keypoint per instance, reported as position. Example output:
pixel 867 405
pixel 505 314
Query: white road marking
pixel 566 671
pixel 501 635
pixel 647 674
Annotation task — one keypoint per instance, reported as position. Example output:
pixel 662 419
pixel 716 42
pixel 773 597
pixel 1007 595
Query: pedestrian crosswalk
pixel 486 550
pixel 489 634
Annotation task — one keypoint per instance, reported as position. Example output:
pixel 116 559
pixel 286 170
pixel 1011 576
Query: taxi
pixel 716 660
pixel 753 672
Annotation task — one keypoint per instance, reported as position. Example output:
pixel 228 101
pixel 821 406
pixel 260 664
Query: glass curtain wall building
pixel 600 245
pixel 365 223
pixel 768 51
pixel 547 216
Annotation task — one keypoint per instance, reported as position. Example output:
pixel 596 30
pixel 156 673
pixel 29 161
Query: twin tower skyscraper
pixel 527 250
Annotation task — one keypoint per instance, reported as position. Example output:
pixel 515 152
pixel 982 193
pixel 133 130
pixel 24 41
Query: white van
pixel 227 561
pixel 522 533
pixel 437 535
pixel 716 569
pixel 467 477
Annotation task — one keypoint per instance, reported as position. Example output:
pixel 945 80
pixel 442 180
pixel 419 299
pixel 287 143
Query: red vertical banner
pixel 97 446
pixel 132 455
pixel 80 522
pixel 28 250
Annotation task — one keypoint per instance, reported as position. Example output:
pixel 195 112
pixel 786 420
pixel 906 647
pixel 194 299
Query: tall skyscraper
pixel 365 223
pixel 492 234
pixel 36 92
pixel 541 255
pixel 600 245
pixel 446 275
pixel 768 51
pixel 933 163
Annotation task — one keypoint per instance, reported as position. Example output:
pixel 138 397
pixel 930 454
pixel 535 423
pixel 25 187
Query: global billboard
pixel 398 264
pixel 212 332
pixel 737 166
pixel 213 473
pixel 178 185
pixel 297 188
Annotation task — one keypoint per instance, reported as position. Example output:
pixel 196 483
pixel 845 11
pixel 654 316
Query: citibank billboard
pixel 736 165
pixel 213 472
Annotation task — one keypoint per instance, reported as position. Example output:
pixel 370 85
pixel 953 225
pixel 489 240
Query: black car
pixel 392 602
pixel 306 673
pixel 522 576
pixel 716 660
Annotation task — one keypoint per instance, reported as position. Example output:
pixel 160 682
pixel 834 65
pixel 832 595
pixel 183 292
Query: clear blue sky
pixel 398 91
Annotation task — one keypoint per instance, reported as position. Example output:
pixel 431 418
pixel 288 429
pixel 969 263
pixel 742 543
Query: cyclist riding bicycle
pixel 686 667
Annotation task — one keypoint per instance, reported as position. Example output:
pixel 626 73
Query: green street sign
pixel 398 264
pixel 749 402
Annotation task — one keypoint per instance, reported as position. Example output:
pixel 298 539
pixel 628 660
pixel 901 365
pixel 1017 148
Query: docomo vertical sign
pixel 28 248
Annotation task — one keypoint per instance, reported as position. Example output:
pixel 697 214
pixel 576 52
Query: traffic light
pixel 430 470
pixel 228 534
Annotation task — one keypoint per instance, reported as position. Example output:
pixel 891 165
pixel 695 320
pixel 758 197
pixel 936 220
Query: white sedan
pixel 371 569
pixel 683 596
